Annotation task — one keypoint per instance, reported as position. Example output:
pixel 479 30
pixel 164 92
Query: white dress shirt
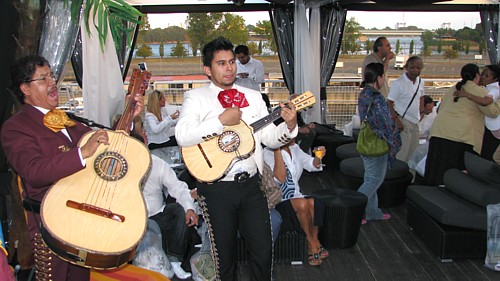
pixel 162 180
pixel 401 93
pixel 295 164
pixel 255 70
pixel 199 118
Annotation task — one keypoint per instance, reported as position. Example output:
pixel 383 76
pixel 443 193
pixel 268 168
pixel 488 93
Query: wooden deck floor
pixel 386 250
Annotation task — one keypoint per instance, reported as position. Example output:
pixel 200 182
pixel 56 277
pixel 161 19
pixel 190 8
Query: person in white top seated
pixel 250 72
pixel 174 219
pixel 427 115
pixel 157 125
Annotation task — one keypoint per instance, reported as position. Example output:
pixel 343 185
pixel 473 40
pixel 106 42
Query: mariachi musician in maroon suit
pixel 43 151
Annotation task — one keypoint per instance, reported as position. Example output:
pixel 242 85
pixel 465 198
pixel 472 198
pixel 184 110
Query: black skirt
pixel 444 154
pixel 290 221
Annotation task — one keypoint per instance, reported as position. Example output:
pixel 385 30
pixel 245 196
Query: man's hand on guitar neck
pixel 139 103
pixel 289 114
pixel 230 116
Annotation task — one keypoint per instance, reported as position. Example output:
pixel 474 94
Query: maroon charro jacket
pixel 40 156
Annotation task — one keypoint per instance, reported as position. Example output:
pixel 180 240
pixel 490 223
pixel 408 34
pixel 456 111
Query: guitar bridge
pixel 95 210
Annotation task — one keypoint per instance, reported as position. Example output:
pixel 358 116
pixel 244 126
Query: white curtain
pixel 307 53
pixel 103 92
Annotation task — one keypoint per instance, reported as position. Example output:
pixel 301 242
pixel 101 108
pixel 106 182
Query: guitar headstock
pixel 306 99
pixel 139 81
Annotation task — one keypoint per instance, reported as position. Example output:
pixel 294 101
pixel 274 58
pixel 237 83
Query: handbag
pixel 270 188
pixel 492 260
pixel 369 144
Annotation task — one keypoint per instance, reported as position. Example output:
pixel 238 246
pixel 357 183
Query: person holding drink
pixel 306 214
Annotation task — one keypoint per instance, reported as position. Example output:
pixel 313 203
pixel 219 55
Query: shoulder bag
pixel 369 144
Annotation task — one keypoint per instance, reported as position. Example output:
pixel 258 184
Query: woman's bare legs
pixel 305 214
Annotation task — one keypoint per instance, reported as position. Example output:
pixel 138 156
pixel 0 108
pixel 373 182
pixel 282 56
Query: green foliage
pixel 260 47
pixel 440 47
pixel 467 47
pixel 450 54
pixel 161 50
pixel 368 46
pixel 265 29
pixel 179 51
pixel 144 51
pixel 351 34
pixel 201 29
pixel 169 34
pixel 108 15
pixel 412 46
pixel 233 28
pixel 398 46
pixel 426 52
pixel 253 48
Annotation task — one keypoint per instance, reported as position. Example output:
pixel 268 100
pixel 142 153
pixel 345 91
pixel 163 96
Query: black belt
pixel 241 177
pixel 31 205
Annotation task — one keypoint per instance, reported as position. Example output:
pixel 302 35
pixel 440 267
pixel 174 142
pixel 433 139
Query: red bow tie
pixel 230 98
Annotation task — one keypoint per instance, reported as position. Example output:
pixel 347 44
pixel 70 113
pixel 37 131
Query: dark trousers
pixel 490 145
pixel 174 231
pixel 232 206
pixel 48 265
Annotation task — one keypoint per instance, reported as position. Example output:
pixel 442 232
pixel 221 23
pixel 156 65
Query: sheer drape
pixel 332 29
pixel 307 55
pixel 489 22
pixel 282 22
pixel 124 53
pixel 58 35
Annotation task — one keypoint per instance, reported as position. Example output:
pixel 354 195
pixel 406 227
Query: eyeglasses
pixel 45 79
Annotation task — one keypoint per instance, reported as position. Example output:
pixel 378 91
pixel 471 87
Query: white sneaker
pixel 179 272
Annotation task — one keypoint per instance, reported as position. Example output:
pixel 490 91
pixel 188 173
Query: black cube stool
pixel 392 192
pixel 346 151
pixel 331 142
pixel 344 211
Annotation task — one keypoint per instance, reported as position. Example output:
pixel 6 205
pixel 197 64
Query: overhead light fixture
pixel 237 2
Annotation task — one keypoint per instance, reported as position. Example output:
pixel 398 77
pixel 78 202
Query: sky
pixel 425 20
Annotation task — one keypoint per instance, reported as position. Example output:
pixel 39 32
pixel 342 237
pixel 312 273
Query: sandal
pixel 323 253
pixel 314 259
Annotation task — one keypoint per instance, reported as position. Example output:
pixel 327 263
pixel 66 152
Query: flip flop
pixel 323 253
pixel 314 259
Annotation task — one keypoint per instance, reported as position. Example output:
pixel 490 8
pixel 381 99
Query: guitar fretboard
pixel 263 122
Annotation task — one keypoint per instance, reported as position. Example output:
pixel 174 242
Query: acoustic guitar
pixel 210 160
pixel 96 217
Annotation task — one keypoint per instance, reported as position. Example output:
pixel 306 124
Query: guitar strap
pixel 418 87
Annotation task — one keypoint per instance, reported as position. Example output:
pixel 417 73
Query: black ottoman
pixel 290 248
pixel 344 211
pixel 331 142
pixel 346 151
pixel 392 192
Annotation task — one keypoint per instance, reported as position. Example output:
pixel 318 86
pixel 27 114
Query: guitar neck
pixel 263 122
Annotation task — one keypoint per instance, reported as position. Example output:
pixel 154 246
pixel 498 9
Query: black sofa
pixel 451 219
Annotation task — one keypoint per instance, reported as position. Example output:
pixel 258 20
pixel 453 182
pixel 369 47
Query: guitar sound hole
pixel 229 141
pixel 110 166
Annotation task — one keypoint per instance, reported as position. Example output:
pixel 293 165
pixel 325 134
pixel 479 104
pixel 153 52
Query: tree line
pixel 445 41
pixel 201 29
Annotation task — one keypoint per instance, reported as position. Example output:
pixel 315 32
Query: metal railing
pixel 342 94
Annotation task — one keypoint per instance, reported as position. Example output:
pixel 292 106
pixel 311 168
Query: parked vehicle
pixel 400 61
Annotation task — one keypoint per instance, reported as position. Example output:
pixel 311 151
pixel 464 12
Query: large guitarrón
pixel 97 216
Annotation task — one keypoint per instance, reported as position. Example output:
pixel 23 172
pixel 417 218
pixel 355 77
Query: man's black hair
pixel 218 44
